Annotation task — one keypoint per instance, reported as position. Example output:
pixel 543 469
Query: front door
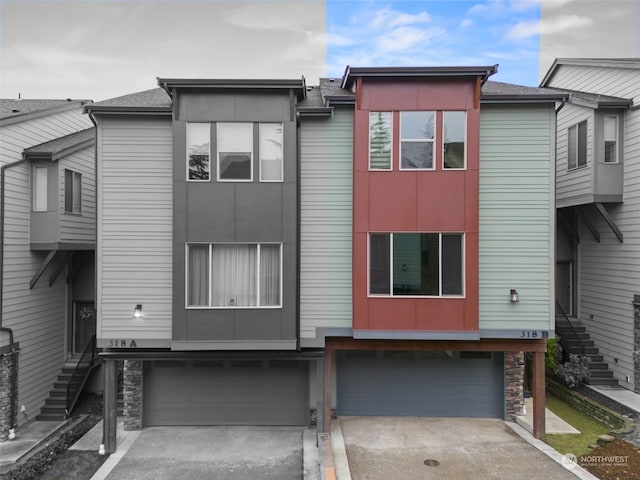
pixel 564 287
pixel 84 325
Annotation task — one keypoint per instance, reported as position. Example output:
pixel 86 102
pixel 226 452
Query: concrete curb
pixel 340 460
pixel 113 460
pixel 310 455
pixel 550 452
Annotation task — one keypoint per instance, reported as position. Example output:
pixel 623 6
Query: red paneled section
pixel 420 201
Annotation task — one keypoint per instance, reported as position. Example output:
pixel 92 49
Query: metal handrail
pixel 563 343
pixel 80 374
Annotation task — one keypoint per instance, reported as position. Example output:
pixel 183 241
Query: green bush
pixel 574 372
pixel 550 355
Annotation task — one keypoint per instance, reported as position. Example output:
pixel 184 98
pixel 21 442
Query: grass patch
pixel 578 444
pixel 74 465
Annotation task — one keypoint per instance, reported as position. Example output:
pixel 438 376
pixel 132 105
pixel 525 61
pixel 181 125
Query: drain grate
pixel 430 462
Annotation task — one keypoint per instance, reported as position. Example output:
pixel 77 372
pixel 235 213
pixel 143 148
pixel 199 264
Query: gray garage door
pixel 226 392
pixel 425 384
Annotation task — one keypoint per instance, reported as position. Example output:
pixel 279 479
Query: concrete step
pixel 600 374
pixel 604 381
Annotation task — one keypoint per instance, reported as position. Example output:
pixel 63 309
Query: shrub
pixel 550 361
pixel 574 372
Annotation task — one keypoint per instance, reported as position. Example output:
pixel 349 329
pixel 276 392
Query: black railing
pixel 80 374
pixel 566 348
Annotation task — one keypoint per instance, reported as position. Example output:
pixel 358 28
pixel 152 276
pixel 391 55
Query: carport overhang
pixel 536 347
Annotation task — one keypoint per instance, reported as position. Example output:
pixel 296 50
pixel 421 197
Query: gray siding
pixel 76 228
pixel 516 217
pixel 134 248
pixel 326 183
pixel 617 82
pixel 37 316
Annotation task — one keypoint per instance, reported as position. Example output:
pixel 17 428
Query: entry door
pixel 84 324
pixel 564 287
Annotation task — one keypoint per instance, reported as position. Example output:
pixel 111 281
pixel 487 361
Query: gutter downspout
pixel 12 345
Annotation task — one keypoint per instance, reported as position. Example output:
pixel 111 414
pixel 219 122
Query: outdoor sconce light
pixel 137 312
pixel 514 296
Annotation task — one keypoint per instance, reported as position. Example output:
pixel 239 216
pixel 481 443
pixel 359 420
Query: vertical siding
pixel 134 248
pixel 326 172
pixel 574 186
pixel 37 316
pixel 516 216
pixel 76 228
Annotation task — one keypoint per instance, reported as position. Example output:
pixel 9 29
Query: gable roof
pixel 62 146
pixel 14 110
pixel 155 100
pixel 631 62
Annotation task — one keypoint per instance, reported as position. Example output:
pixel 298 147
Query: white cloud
pixel 557 24
pixel 466 23
pixel 393 18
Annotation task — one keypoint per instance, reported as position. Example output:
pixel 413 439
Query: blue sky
pixel 454 32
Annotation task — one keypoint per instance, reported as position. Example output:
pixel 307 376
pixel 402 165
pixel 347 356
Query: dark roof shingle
pixel 156 98
pixel 10 108
pixel 62 145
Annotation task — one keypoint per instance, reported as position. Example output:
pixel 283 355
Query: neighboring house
pixel 598 205
pixel 268 251
pixel 47 254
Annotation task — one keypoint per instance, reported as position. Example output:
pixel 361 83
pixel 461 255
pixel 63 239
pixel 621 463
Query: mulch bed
pixel 617 460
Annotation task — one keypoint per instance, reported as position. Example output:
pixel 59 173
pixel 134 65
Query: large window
pixel 453 144
pixel 271 152
pixel 416 264
pixel 234 275
pixel 198 151
pixel 40 189
pixel 417 140
pixel 72 191
pixel 610 139
pixel 380 140
pixel 577 145
pixel 235 151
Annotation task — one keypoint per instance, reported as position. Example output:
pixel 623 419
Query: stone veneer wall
pixel 6 380
pixel 132 393
pixel 636 344
pixel 513 384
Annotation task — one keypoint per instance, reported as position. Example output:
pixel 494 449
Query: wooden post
pixel 328 353
pixel 109 401
pixel 320 405
pixel 538 395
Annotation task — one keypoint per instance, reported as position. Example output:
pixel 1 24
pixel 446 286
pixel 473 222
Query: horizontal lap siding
pixel 617 82
pixel 79 228
pixel 326 172
pixel 37 316
pixel 516 216
pixel 577 182
pixel 135 227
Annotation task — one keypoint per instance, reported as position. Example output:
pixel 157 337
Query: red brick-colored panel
pixel 440 314
pixel 440 201
pixel 361 205
pixel 392 313
pixel 392 201
pixel 360 275
pixel 433 94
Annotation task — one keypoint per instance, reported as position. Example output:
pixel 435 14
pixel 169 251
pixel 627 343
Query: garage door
pixel 226 392
pixel 426 384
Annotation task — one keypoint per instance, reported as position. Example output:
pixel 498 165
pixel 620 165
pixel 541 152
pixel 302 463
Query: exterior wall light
pixel 137 312
pixel 514 296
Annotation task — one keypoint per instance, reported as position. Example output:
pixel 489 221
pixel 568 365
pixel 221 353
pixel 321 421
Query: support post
pixel 320 405
pixel 328 354
pixel 538 395
pixel 110 400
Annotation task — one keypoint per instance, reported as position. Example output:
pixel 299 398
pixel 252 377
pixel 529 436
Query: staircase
pixel 55 407
pixel 578 341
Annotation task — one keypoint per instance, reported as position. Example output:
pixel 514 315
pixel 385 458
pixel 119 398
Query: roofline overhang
pixel 335 100
pixel 351 73
pixel 542 98
pixel 55 156
pixel 71 105
pixel 593 62
pixel 314 112
pixel 298 85
pixel 111 109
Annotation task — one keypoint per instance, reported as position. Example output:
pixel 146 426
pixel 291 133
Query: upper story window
pixel 577 145
pixel 417 131
pixel 235 151
pixel 198 151
pixel 40 189
pixel 271 152
pixel 72 191
pixel 610 135
pixel 380 140
pixel 234 275
pixel 416 264
pixel 453 143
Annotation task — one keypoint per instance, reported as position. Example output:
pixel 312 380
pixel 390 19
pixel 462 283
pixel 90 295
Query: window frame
pixel 37 195
pixel 209 305
pixel 440 258
pixel 76 188
pixel 578 165
pixel 260 157
pixel 196 180
pixel 464 128
pixel 616 139
pixel 433 142
pixel 251 156
pixel 376 112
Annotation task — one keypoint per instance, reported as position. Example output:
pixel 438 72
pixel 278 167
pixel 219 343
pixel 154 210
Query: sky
pixel 100 49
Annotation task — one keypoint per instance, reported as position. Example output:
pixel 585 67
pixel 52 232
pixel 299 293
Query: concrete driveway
pixel 389 448
pixel 199 453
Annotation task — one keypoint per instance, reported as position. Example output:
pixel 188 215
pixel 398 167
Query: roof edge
pixel 71 105
pixel 592 62
pixel 239 84
pixel 351 73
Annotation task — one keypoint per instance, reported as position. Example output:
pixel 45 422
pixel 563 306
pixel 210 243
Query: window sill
pixel 446 297
pixel 227 307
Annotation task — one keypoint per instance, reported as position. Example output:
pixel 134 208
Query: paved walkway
pixel 552 423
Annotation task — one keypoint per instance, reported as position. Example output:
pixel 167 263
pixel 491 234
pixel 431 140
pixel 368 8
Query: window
pixel 577 145
pixel 234 275
pixel 610 139
pixel 198 141
pixel 417 140
pixel 380 140
pixel 72 192
pixel 40 189
pixel 416 264
pixel 453 144
pixel 235 151
pixel 271 152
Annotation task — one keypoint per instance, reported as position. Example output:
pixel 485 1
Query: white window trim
pixel 586 152
pixel 74 175
pixel 234 180
pixel 418 140
pixel 35 196
pixel 440 294
pixel 187 153
pixel 465 142
pixel 617 139
pixel 390 169
pixel 210 274
pixel 260 154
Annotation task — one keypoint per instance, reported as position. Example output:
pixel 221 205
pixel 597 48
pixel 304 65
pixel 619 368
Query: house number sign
pixel 122 344
pixel 534 334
